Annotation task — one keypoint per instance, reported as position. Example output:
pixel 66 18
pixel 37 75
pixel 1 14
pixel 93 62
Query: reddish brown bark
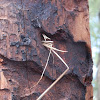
pixel 22 23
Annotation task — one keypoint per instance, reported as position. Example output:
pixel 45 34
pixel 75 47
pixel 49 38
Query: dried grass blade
pixel 57 78
pixel 43 70
pixel 52 84
pixel 46 45
pixel 60 58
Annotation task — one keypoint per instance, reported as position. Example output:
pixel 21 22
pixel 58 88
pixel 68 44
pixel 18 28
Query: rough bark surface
pixel 23 57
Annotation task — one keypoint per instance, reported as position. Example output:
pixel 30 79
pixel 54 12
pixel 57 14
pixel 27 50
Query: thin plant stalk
pixel 43 70
pixel 57 78
pixel 40 97
pixel 49 44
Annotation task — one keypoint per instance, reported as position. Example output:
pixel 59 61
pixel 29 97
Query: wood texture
pixel 22 23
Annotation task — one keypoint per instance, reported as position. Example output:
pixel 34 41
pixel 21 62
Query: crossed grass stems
pixel 49 45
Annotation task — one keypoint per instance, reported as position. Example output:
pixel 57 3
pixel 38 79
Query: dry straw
pixel 49 45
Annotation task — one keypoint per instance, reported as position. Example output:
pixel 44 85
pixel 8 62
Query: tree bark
pixel 23 57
